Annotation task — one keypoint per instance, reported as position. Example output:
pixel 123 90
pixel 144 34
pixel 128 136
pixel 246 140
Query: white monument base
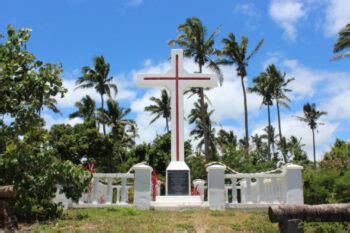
pixel 177 202
pixel 178 179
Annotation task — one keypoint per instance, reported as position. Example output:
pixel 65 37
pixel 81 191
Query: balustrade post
pixel 234 190
pixel 274 190
pixel 249 191
pixel 124 192
pixel 118 195
pixel 294 184
pixel 216 187
pixel 95 190
pixel 109 195
pixel 142 186
pixel 261 194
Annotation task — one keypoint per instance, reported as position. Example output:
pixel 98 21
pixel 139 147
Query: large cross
pixel 177 80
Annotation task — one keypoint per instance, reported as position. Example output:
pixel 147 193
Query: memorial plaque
pixel 178 183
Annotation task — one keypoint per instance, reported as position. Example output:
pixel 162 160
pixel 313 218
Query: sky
pixel 132 35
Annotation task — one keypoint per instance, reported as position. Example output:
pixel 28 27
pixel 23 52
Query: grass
pixel 131 220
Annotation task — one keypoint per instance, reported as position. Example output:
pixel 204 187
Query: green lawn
pixel 202 220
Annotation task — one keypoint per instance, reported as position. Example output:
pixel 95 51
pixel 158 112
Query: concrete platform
pixel 177 202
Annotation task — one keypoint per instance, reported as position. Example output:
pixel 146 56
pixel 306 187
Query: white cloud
pixel 52 119
pixel 287 13
pixel 125 92
pixel 248 9
pixel 338 106
pixel 251 13
pixel 337 16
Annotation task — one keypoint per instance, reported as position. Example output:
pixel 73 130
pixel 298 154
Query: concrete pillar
pixel 294 184
pixel 216 187
pixel 142 186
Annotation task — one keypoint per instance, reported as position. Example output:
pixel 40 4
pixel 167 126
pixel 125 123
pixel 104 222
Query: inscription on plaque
pixel 178 183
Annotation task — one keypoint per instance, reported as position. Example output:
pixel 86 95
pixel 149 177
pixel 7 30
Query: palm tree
pixel 160 108
pixel 114 117
pixel 342 43
pixel 295 147
pixel 195 42
pixel 97 77
pixel 226 140
pixel 86 109
pixel 237 54
pixel 311 115
pixel 280 90
pixel 263 86
pixel 198 132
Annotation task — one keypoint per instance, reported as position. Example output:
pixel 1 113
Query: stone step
pixel 177 201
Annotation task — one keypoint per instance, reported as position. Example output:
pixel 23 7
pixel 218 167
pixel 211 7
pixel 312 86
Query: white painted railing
pixel 236 190
pixel 255 188
pixel 101 190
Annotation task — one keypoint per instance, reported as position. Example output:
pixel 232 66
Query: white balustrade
pixel 259 189
pixel 102 189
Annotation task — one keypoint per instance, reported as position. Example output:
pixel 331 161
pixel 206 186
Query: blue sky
pixel 132 35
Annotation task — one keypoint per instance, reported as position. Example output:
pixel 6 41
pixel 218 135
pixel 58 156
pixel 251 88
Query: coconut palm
pixel 236 54
pixel 280 91
pixel 86 109
pixel 343 42
pixel 226 140
pixel 311 115
pixel 196 44
pixel 295 148
pixel 97 77
pixel 263 86
pixel 199 130
pixel 160 108
pixel 114 117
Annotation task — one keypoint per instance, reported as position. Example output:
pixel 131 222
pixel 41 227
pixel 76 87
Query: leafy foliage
pixel 26 161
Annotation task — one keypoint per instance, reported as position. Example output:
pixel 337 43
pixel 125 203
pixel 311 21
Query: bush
pixel 35 171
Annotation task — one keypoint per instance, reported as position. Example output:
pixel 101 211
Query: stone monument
pixel 176 81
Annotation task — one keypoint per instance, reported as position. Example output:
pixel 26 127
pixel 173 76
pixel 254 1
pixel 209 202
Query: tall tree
pixel 226 140
pixel 26 84
pixel 280 91
pixel 196 44
pixel 343 42
pixel 263 86
pixel 86 109
pixel 114 116
pixel 160 108
pixel 311 116
pixel 237 54
pixel 196 117
pixel 97 77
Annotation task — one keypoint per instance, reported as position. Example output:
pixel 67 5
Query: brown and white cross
pixel 177 80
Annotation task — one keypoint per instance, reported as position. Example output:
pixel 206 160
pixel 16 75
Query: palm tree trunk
pixel 314 146
pixel 103 124
pixel 245 117
pixel 280 131
pixel 167 124
pixel 268 130
pixel 202 103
